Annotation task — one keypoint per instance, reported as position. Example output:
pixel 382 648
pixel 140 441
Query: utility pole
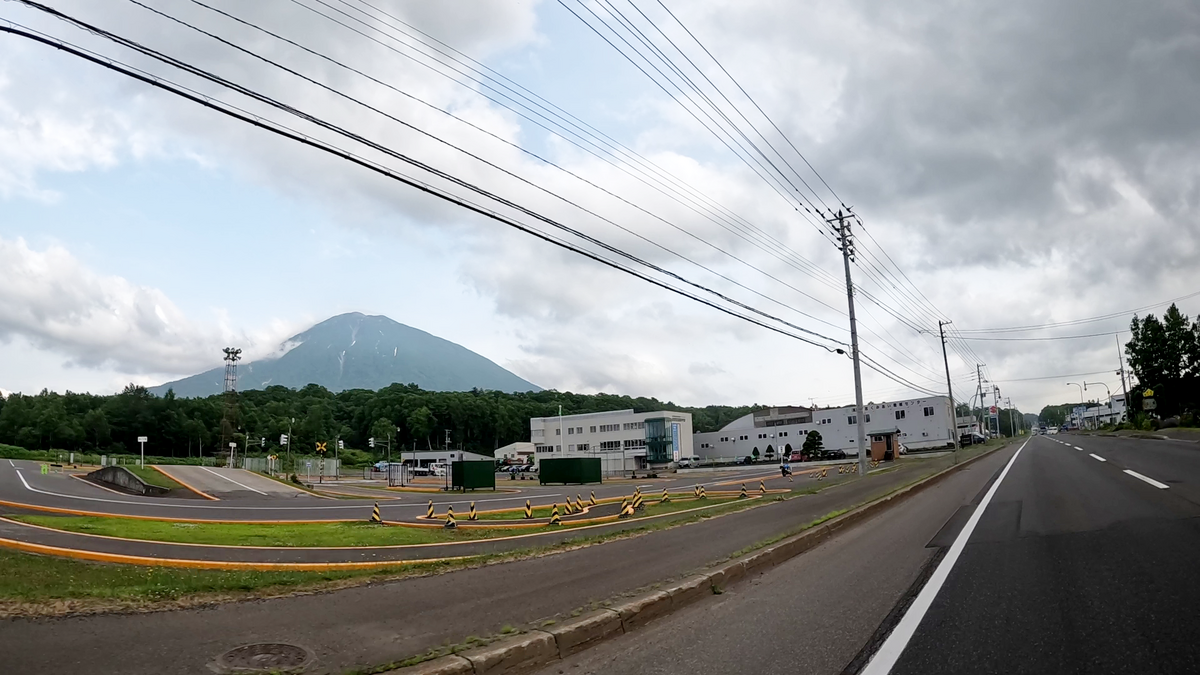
pixel 1121 372
pixel 949 389
pixel 979 385
pixel 847 248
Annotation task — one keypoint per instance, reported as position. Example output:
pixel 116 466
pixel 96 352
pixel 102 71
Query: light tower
pixel 229 420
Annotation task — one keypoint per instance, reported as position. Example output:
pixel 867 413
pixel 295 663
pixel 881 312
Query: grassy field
pixel 247 534
pixel 152 476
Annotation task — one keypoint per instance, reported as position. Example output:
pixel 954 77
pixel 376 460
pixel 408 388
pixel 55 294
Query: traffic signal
pixel 341 445
pixel 283 439
pixel 262 442
pixel 371 442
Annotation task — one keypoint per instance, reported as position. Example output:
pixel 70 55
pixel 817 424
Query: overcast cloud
pixel 1022 162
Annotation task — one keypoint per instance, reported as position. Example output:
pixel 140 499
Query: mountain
pixel 356 351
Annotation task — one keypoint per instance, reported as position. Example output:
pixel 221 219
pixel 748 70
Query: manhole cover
pixel 267 657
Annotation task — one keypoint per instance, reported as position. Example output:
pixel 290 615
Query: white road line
pixel 220 475
pixel 10 463
pixel 1160 486
pixel 1078 448
pixel 1097 457
pixel 885 659
pixel 23 481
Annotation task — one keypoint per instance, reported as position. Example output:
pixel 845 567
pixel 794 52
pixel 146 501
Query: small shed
pixel 884 444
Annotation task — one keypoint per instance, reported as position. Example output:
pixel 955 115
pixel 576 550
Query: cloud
pixel 106 322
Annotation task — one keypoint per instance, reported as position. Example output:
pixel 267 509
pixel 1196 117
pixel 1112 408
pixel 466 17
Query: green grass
pixel 28 578
pixel 152 476
pixel 652 508
pixel 281 534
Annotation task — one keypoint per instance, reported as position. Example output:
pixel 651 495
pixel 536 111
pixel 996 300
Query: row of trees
pixel 403 416
pixel 1164 355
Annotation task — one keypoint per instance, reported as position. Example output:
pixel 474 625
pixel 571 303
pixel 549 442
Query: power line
pixel 1041 339
pixel 1076 322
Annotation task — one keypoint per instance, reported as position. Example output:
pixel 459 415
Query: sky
pixel 1013 164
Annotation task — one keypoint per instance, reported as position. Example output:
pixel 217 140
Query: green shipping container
pixel 473 475
pixel 569 470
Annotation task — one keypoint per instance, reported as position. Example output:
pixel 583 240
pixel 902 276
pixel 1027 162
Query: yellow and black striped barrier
pixel 450 523
pixel 626 509
pixel 567 508
pixel 578 501
pixel 624 503
pixel 696 491
pixel 742 494
pixel 762 488
pixel 429 510
pixel 593 497
pixel 703 494
pixel 472 515
pixel 554 518
pixel 874 463
pixel 639 502
pixel 665 498
pixel 528 509
pixel 375 517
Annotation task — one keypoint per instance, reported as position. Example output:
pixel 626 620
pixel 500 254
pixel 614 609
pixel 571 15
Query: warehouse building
pixel 918 424
pixel 622 439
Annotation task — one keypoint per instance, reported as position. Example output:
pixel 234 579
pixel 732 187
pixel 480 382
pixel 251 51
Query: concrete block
pixel 689 590
pixel 582 632
pixel 446 665
pixel 518 654
pixel 642 609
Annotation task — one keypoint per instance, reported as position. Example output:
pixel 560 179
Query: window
pixel 635 443
pixel 929 411
pixel 570 431
pixel 538 433
pixel 558 432
pixel 571 447
pixel 899 414
pixel 745 438
pixel 542 448
pixel 583 447
pixel 593 428
pixel 853 419
pixel 605 428
pixel 610 445
pixel 762 435
pixel 579 430
pixel 783 433
pixel 867 418
pixel 630 426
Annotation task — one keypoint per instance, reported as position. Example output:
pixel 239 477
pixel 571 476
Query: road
pixel 1084 558
pixel 388 621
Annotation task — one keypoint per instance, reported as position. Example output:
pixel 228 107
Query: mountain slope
pixel 355 351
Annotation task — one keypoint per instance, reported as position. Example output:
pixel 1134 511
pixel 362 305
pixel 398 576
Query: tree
pixel 754 454
pixel 420 424
pixel 1165 356
pixel 770 453
pixel 813 444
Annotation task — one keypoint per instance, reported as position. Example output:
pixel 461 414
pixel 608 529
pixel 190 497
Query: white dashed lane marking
pixel 1160 486
pixel 1098 457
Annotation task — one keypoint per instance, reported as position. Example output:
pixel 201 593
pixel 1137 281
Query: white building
pixel 516 453
pixel 622 439
pixel 921 423
pixel 1111 411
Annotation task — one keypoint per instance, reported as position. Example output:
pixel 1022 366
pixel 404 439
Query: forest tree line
pixel 404 416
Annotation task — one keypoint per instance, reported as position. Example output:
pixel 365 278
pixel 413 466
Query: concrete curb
pixel 537 648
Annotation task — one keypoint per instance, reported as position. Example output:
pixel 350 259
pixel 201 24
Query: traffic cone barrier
pixel 703 494
pixel 554 519
pixel 639 502
pixel 429 510
pixel 626 509
pixel 624 503
pixel 696 491
pixel 473 515
pixel 743 494
pixel 578 502
pixel 375 518
pixel 665 498
pixel 528 509
pixel 593 497
pixel 450 524
pixel 762 488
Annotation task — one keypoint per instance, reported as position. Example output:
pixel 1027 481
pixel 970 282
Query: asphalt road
pixel 812 614
pixel 1076 566
pixel 388 621
pixel 224 483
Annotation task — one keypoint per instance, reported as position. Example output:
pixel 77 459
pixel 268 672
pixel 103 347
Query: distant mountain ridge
pixel 357 351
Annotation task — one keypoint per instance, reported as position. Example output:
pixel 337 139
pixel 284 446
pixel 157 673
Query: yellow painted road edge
pixel 169 519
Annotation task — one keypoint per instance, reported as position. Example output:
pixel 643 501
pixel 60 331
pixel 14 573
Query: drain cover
pixel 266 657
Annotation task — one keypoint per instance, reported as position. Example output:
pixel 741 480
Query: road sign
pixel 232 445
pixel 142 439
pixel 320 447
pixel 1149 393
pixel 992 410
pixel 1149 404
pixel 308 464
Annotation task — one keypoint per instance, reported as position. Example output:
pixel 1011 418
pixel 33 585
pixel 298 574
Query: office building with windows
pixel 771 433
pixel 622 439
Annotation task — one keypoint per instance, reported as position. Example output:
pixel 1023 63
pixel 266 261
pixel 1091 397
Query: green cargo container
pixel 569 470
pixel 473 475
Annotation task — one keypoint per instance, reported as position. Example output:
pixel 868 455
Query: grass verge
pixel 152 476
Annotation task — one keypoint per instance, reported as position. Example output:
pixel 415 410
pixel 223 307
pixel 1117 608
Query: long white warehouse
pixel 920 423
pixel 622 439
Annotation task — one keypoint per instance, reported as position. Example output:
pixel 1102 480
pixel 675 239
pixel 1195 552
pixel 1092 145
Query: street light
pixel 1107 391
pixel 1080 397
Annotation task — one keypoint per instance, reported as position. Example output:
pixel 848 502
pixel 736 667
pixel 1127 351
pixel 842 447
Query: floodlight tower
pixel 232 356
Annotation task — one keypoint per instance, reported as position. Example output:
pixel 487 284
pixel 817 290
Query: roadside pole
pixel 142 443
pixel 847 248
pixel 1121 372
pixel 949 389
